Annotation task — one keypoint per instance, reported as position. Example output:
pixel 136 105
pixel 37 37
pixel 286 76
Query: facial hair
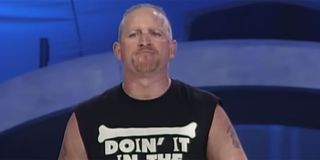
pixel 146 60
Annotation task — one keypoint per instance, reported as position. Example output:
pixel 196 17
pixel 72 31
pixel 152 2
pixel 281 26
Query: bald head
pixel 157 11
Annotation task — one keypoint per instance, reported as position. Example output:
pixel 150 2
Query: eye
pixel 131 35
pixel 156 34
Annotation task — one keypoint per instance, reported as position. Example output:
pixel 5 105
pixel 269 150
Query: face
pixel 145 45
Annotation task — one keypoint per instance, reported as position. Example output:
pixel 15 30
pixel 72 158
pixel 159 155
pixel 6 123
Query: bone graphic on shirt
pixel 106 133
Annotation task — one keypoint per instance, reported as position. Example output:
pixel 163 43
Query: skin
pixel 72 146
pixel 145 48
pixel 223 142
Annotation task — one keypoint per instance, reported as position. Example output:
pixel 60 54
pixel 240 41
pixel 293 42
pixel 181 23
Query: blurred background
pixel 260 56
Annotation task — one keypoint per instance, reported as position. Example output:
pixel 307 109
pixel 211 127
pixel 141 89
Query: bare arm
pixel 72 146
pixel 223 142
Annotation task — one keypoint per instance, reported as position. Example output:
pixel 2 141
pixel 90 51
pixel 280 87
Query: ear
pixel 117 50
pixel 173 48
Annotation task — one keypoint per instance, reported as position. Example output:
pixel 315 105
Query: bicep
pixel 72 146
pixel 223 142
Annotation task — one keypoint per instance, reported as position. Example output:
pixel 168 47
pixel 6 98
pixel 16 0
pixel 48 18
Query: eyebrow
pixel 149 30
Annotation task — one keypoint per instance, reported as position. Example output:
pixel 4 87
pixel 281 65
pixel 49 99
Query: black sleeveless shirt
pixel 173 126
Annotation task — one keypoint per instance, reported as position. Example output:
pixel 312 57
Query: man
pixel 149 116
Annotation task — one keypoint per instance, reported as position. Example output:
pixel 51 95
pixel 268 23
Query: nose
pixel 144 40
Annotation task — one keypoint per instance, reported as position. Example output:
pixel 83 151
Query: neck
pixel 146 88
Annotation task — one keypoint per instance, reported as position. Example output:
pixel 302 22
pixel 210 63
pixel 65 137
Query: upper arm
pixel 223 142
pixel 72 146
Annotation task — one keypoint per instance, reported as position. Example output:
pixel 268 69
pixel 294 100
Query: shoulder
pixel 97 100
pixel 72 145
pixel 223 142
pixel 195 93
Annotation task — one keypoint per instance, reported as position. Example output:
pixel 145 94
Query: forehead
pixel 144 17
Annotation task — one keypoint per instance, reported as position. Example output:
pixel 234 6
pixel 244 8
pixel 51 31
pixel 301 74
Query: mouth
pixel 145 51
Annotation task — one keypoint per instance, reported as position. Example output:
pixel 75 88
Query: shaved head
pixel 159 10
